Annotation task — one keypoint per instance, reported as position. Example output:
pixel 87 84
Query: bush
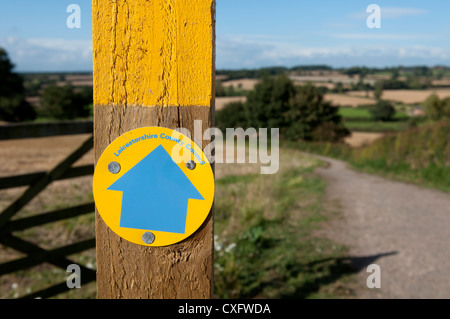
pixel 382 111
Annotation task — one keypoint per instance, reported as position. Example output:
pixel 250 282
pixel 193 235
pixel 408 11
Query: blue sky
pixel 251 34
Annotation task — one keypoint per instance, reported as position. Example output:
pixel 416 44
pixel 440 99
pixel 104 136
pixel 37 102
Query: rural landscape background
pixel 364 174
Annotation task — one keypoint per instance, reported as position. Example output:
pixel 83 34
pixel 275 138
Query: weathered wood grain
pixel 153 66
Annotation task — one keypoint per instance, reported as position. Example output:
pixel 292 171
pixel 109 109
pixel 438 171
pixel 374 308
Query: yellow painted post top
pixel 153 52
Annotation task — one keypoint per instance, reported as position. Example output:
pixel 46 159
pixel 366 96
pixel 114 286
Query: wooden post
pixel 153 66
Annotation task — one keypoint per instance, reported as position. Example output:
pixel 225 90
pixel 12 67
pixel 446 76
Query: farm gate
pixel 37 182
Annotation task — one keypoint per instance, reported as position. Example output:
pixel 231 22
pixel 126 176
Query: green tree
pixel 231 116
pixel 433 107
pixel 13 106
pixel 446 107
pixel 220 89
pixel 83 101
pixel 65 103
pixel 311 118
pixel 268 103
pixel 436 108
pixel 414 82
pixel 301 113
pixel 382 111
pixel 395 73
pixel 378 90
pixel 338 88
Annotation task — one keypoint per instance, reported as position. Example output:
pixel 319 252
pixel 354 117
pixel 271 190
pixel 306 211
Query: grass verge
pixel 419 155
pixel 265 242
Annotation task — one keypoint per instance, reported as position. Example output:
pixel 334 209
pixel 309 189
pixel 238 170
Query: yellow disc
pixel 153 186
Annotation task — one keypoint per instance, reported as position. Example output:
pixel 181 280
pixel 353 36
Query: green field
pixel 372 126
pixel 355 113
pixel 360 119
pixel 363 113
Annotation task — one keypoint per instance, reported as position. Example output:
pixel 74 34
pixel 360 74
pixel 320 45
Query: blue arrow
pixel 155 194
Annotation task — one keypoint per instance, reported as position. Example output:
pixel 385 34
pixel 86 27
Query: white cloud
pixel 242 51
pixel 238 52
pixel 48 54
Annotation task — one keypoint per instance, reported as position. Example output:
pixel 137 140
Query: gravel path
pixel 403 228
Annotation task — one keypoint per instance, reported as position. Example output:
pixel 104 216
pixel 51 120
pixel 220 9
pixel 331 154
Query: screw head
pixel 114 167
pixel 148 237
pixel 191 165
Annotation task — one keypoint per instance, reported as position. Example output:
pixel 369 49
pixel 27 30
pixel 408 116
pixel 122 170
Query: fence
pixel 36 183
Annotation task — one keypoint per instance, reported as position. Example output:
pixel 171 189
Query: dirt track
pixel 403 228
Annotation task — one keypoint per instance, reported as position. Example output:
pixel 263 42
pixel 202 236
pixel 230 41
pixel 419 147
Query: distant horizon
pixel 259 68
pixel 250 34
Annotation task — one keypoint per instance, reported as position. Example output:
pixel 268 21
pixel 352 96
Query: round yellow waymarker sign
pixel 153 186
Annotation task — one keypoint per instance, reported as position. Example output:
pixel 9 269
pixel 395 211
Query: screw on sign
pixel 148 238
pixel 114 167
pixel 191 165
pixel 158 195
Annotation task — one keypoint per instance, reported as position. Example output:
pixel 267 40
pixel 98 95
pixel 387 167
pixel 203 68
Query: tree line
pixel 57 102
pixel 300 112
pixel 361 71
